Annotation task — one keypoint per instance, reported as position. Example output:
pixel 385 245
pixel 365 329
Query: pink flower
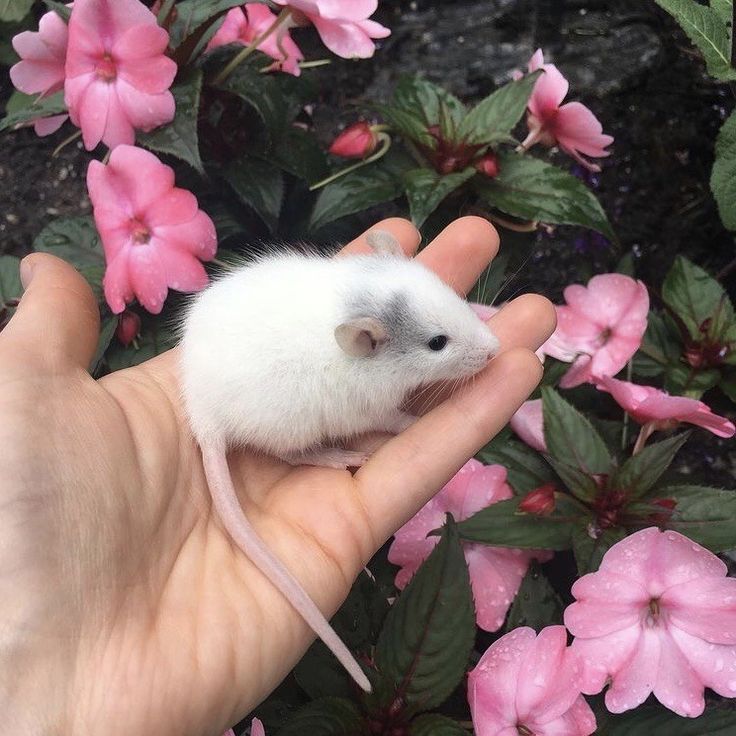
pixel 488 165
pixel 256 728
pixel 529 425
pixel 571 126
pixel 117 77
pixel 43 54
pixel 659 616
pixel 153 234
pixel 528 684
pixel 357 141
pixel 343 26
pixel 648 404
pixel 600 328
pixel 244 25
pixel 495 572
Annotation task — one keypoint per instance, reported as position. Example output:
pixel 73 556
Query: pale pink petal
pixel 578 129
pixel 373 29
pixel 631 557
pixel 148 277
pixel 197 236
pixel 544 690
pixel 231 30
pixel 74 91
pixel 548 93
pixel 677 685
pixel 143 110
pixel 117 284
pixel 142 42
pixel 183 271
pixel 354 10
pixel 704 607
pixel 152 76
pixel 110 18
pixel 714 664
pixel 537 61
pixel 30 45
pixel 35 77
pixel 411 546
pixel 55 34
pixel 256 728
pixel 579 720
pixel 47 126
pixel 633 684
pixel 345 39
pixel 93 110
pixel 118 129
pixel 614 355
pixel 141 176
pixel 474 487
pixel 581 371
pixel 176 207
pixel 528 424
pixel 492 684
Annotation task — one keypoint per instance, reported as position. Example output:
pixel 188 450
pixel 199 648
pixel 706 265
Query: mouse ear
pixel 384 244
pixel 361 337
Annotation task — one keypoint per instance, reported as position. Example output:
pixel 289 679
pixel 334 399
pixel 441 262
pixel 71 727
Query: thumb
pixel 57 321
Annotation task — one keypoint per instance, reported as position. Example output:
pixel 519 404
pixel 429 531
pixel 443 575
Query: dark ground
pixel 627 60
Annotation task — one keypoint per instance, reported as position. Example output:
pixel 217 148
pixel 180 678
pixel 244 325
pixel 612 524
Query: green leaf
pixel 191 14
pixel 728 385
pixel 179 137
pixel 75 239
pixel 641 471
pixel 532 189
pixel 526 468
pixel 354 192
pixel 433 724
pixel 298 153
pixel 536 604
pixel 503 525
pixel 656 721
pixel 10 287
pixel 157 336
pixel 723 176
pixel 705 515
pixel 320 675
pixel 423 648
pixel 415 95
pixel 14 10
pixel 695 296
pixel 497 115
pixel 39 108
pixel 570 437
pixel 61 9
pixel 577 481
pixel 707 31
pixel 589 550
pixel 258 184
pixel 425 190
pixel 723 9
pixel 409 124
pixel 327 717
pixel 661 346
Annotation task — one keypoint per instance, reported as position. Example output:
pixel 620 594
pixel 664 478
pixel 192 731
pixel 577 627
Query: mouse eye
pixel 438 342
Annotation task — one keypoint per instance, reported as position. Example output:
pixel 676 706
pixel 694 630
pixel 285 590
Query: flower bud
pixel 540 501
pixel 488 165
pixel 129 327
pixel 357 141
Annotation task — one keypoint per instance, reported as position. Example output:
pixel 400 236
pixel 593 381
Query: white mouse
pixel 294 354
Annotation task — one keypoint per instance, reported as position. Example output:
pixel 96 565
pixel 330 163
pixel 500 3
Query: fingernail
pixel 26 272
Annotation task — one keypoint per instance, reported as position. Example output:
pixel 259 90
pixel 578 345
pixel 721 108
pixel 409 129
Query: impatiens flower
pixel 572 126
pixel 357 141
pixel 528 685
pixel 648 404
pixel 117 77
pixel 153 234
pixel 343 26
pixel 658 617
pixel 488 165
pixel 244 25
pixel 43 55
pixel 529 426
pixel 600 328
pixel 495 572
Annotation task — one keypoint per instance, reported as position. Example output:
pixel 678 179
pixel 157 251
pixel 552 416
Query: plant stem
pixel 517 227
pixel 625 428
pixel 385 145
pixel 65 143
pixel 227 70
pixel 644 434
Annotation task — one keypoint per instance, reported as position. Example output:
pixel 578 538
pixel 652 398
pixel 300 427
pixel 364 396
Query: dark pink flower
pixel 572 126
pixel 357 141
pixel 43 55
pixel 117 77
pixel 648 404
pixel 244 25
pixel 495 572
pixel 528 423
pixel 153 234
pixel 600 327
pixel 343 26
pixel 658 617
pixel 529 684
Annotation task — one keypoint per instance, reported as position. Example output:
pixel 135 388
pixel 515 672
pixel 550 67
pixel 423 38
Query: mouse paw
pixel 330 457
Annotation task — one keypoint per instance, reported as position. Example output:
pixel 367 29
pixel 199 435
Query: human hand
pixel 125 608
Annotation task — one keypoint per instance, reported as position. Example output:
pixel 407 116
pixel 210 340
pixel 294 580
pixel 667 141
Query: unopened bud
pixel 540 501
pixel 357 141
pixel 488 165
pixel 129 327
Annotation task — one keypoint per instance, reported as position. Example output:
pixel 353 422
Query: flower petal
pixel 548 93
pixel 49 125
pixel 116 283
pixel 634 682
pixel 197 236
pixel 145 111
pixel 578 129
pixel 148 277
pixel 678 686
pixel 714 664
pixel 93 109
pixel 183 271
pixel 604 656
pixel 345 38
pixel 173 208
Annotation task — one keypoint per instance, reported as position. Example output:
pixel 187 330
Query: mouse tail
pixel 245 536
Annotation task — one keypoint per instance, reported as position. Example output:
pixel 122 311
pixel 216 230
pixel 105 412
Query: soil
pixel 626 60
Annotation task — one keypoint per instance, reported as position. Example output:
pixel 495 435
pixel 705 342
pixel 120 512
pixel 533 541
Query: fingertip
pixel 403 230
pixel 539 310
pixel 475 230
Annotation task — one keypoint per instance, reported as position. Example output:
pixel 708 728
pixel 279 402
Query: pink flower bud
pixel 540 501
pixel 488 165
pixel 357 141
pixel 129 327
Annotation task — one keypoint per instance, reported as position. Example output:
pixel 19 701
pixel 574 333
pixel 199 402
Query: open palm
pixel 124 607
